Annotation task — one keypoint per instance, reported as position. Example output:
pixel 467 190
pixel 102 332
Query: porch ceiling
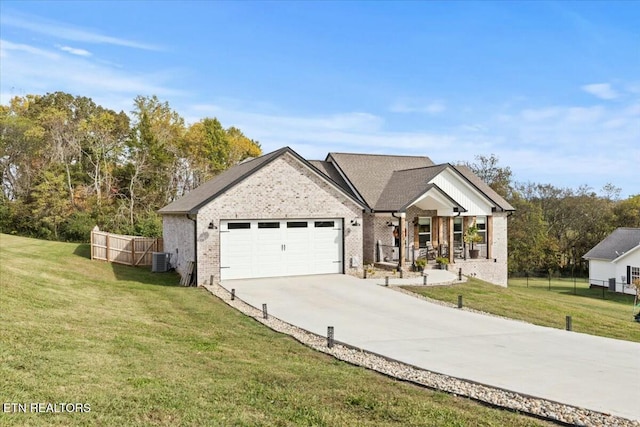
pixel 436 199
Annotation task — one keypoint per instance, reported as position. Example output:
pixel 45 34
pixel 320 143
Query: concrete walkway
pixel 434 277
pixel 591 372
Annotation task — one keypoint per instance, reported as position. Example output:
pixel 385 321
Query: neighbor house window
pixel 481 223
pixel 635 274
pixel 424 231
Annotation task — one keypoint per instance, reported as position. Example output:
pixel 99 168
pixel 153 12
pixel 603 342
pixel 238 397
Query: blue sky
pixel 551 88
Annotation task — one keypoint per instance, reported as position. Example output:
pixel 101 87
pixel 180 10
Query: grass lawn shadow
pixel 83 250
pixel 141 274
pixel 144 275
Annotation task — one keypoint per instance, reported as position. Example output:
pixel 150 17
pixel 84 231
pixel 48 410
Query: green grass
pixel 534 303
pixel 142 351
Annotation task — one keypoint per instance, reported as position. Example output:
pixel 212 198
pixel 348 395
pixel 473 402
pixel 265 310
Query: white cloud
pixel 350 131
pixel 28 69
pixel 565 145
pixel 74 51
pixel 65 31
pixel 6 47
pixel 601 90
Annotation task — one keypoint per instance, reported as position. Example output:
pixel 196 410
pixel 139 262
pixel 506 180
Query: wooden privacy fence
pixel 129 250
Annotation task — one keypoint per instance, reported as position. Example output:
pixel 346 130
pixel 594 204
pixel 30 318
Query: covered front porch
pixel 432 229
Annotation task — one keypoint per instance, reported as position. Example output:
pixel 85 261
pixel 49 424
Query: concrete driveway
pixel 596 373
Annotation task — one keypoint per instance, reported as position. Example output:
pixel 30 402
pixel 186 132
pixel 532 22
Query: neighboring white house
pixel 615 261
pixel 282 215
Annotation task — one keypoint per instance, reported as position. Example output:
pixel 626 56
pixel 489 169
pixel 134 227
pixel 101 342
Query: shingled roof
pixel 381 182
pixel 330 170
pixel 622 240
pixel 200 196
pixel 405 186
pixel 369 174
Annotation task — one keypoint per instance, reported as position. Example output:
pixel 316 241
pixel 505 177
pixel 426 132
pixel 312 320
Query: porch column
pixel 489 234
pixel 440 234
pixel 450 239
pixel 402 240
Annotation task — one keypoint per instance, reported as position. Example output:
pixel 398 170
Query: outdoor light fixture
pixel 355 222
pixel 212 226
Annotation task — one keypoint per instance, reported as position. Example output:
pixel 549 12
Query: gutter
pixel 194 218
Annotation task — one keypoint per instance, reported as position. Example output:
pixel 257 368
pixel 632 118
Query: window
pixel 238 225
pixel 297 224
pixel 424 231
pixel 481 223
pixel 323 224
pixel 268 225
pixel 635 274
pixel 457 232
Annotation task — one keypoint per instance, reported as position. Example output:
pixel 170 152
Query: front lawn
pixel 140 351
pixel 536 302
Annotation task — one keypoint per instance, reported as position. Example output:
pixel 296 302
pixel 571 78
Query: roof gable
pixel 405 186
pixel 616 244
pixel 208 191
pixel 484 188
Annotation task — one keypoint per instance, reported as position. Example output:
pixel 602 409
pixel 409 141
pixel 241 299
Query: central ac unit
pixel 160 262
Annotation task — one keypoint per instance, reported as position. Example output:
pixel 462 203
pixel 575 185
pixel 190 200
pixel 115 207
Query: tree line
pixel 68 164
pixel 553 227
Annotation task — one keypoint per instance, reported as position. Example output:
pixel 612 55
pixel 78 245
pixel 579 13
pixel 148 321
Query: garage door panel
pixel 269 248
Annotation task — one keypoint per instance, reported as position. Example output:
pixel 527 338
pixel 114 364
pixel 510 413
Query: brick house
pixel 282 215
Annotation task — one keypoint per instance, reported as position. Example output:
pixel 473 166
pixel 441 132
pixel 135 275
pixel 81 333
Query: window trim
pixel 425 233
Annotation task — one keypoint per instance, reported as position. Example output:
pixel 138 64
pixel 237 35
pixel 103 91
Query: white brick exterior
pixel 493 270
pixel 284 188
pixel 178 236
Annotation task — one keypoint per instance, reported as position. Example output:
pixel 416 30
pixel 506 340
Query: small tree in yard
pixel 472 236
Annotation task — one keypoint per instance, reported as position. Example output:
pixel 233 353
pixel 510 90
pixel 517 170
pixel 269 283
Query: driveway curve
pixel 582 370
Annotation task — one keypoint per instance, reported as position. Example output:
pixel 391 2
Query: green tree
pixel 487 169
pixel 211 149
pixel 627 212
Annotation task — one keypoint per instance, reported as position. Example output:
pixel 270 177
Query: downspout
pixel 194 218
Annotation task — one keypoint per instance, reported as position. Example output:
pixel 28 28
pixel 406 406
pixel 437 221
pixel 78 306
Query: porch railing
pixel 390 253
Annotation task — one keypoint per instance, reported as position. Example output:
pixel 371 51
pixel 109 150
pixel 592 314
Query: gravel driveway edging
pixel 491 396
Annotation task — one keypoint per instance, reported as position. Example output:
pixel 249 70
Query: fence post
pixel 107 244
pixel 549 280
pixel 211 280
pixel 459 301
pixel 92 231
pixel 133 251
pixel 568 322
pixel 233 294
pixel 330 336
pixel 386 280
pixel 264 311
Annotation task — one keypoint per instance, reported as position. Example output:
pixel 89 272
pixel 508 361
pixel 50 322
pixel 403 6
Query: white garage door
pixel 270 248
